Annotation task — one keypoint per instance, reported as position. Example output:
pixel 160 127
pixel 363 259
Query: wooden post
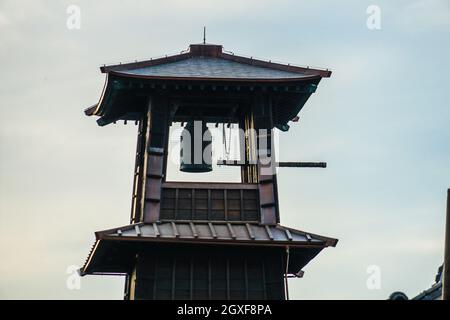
pixel 155 158
pixel 446 271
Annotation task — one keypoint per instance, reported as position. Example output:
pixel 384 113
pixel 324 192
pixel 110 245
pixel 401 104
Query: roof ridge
pixel 215 51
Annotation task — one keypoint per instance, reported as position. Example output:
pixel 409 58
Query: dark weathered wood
pixel 210 185
pixel 126 290
pixel 245 278
pixel 225 203
pixel 155 277
pixel 209 279
pixel 264 279
pixel 154 158
pixel 209 205
pixel 302 164
pixel 192 202
pixel 228 278
pixel 136 208
pixel 145 214
pixel 268 198
pixel 176 203
pixel 174 268
pixel 262 112
pixel 229 204
pixel 446 269
pixel 283 164
pixel 241 205
pixel 191 280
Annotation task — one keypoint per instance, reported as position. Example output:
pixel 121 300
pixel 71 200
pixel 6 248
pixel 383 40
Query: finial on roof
pixel 204 35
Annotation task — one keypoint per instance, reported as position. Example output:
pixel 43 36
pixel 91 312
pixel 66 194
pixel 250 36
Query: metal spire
pixel 204 35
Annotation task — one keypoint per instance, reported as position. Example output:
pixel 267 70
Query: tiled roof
pixel 433 293
pixel 197 232
pixel 213 68
pixel 209 62
pixel 215 231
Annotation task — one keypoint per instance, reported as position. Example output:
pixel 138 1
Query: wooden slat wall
pixel 215 202
pixel 190 275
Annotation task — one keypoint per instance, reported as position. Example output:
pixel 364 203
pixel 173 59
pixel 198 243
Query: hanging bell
pixel 195 148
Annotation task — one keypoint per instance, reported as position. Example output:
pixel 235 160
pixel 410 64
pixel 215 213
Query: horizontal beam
pixel 209 185
pixel 302 164
pixel 278 164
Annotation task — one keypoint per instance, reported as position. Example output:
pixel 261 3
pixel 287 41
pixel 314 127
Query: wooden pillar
pixel 138 170
pixel 149 171
pixel 446 269
pixel 249 173
pixel 243 150
pixel 154 157
pixel 262 110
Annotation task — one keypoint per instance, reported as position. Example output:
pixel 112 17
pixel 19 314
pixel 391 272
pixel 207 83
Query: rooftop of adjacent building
pixel 432 293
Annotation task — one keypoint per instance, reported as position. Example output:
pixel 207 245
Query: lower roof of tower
pixel 114 248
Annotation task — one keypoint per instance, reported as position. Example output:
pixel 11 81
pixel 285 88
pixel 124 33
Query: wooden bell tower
pixel 205 240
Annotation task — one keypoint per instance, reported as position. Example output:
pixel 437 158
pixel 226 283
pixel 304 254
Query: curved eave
pixel 297 244
pixel 94 110
pixel 109 91
pixel 114 249
pixel 243 80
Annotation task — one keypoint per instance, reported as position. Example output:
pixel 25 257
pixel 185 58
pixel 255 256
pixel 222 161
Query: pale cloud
pixel 425 16
pixel 4 21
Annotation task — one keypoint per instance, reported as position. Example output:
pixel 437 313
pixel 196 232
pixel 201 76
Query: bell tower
pixel 205 240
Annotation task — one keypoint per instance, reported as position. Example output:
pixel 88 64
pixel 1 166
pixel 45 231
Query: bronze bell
pixel 195 148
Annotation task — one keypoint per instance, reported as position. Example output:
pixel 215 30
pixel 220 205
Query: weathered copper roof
pixel 212 68
pixel 197 232
pixel 216 231
pixel 206 61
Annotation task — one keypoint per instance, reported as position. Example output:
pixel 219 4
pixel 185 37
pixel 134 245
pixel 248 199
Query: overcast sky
pixel 381 122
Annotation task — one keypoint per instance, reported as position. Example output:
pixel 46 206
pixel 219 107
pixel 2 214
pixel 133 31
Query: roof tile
pixel 207 67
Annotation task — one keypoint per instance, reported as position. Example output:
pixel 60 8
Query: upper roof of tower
pixel 209 62
pixel 204 70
